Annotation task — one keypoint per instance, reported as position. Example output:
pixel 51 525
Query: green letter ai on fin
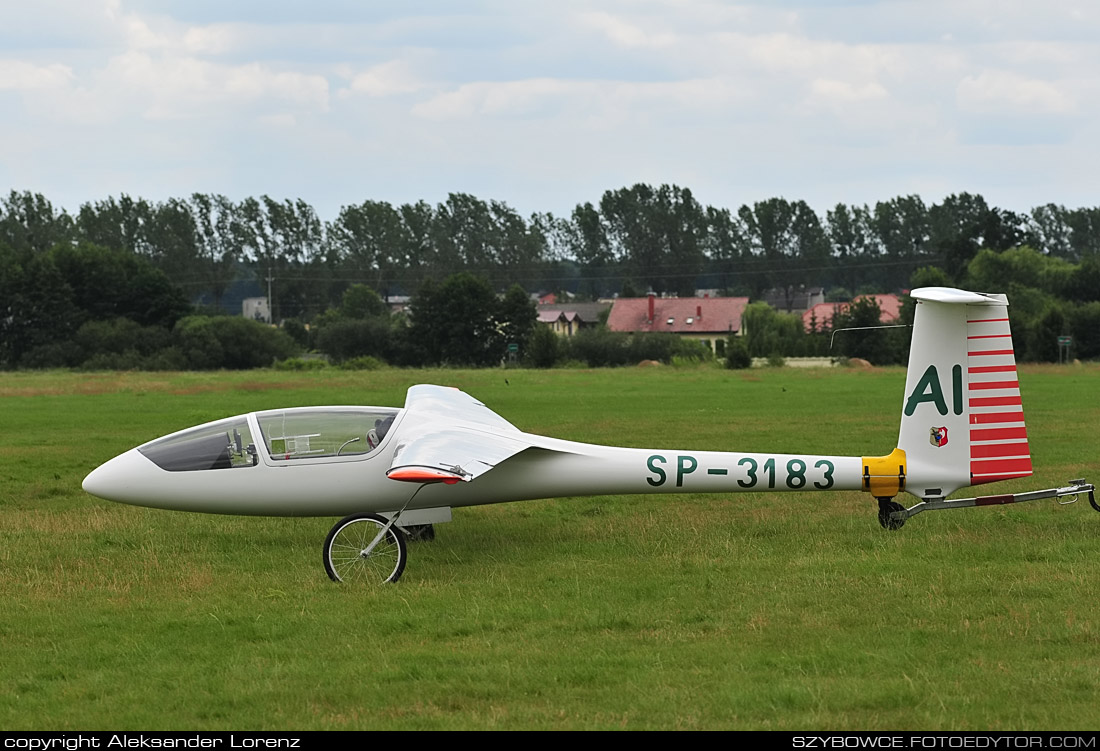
pixel 927 390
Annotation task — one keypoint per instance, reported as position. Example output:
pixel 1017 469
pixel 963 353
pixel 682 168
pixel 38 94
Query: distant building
pixel 822 314
pixel 701 318
pixel 566 319
pixel 398 303
pixel 795 301
pixel 256 309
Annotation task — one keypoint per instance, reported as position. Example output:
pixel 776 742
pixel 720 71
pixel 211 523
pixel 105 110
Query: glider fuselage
pixel 961 424
pixel 300 485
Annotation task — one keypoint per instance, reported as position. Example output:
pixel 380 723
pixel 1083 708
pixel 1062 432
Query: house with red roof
pixel 566 319
pixel 702 318
pixel 822 314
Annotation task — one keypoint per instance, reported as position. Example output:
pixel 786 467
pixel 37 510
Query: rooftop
pixel 823 313
pixel 679 315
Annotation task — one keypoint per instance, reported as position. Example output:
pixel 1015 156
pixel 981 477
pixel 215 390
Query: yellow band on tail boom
pixel 884 476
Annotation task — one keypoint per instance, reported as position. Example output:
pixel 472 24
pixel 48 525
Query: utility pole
pixel 270 312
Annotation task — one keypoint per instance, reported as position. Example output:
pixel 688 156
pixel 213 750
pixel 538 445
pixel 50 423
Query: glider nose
pixel 118 479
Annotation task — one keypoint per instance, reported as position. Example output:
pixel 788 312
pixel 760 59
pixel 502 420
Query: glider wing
pixel 448 436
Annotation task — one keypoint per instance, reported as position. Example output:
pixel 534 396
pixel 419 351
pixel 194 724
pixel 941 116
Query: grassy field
pixel 752 611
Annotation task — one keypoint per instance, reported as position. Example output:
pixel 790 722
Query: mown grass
pixel 756 611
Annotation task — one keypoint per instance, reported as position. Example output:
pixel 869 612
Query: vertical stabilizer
pixel 962 417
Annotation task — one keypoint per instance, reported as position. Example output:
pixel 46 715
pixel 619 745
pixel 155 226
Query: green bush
pixel 348 338
pixel 599 348
pixel 128 360
pixel 301 363
pixel 543 348
pixel 686 361
pixel 65 354
pixel 169 358
pixel 693 349
pixel 737 353
pixel 121 335
pixel 1084 324
pixel 366 362
pixel 230 342
pixel 660 347
pixel 297 331
pixel 765 330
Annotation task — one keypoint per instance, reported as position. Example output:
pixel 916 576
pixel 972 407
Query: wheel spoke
pixel 346 560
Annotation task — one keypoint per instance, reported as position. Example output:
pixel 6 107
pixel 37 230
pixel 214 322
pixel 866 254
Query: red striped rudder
pixel 998 438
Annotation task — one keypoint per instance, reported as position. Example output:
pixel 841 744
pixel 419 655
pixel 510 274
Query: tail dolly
pixel 884 478
pixel 893 515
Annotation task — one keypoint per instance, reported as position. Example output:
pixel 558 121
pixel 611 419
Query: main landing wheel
pixel 348 554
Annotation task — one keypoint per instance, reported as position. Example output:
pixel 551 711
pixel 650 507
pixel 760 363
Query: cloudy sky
pixel 544 104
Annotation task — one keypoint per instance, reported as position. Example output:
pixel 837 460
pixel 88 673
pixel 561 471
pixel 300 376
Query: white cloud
pixel 845 92
pixel 256 81
pixel 280 121
pixel 189 87
pixel 387 79
pixel 1005 92
pixel 141 37
pixel 24 76
pixel 842 100
pixel 217 39
pixel 59 23
pixel 595 103
pixel 507 98
pixel 623 32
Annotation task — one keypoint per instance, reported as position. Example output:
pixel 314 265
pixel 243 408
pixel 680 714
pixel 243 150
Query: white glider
pixel 390 469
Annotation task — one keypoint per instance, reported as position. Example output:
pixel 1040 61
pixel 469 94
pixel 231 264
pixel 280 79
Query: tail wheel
pixel 420 532
pixel 891 515
pixel 349 556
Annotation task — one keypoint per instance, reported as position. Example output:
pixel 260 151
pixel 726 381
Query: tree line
pixel 640 238
pixel 1051 300
pixel 143 262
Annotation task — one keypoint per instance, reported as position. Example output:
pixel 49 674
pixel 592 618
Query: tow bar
pixel 893 515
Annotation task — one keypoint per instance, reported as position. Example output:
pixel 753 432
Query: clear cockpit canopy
pixel 322 432
pixel 299 433
pixel 226 444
